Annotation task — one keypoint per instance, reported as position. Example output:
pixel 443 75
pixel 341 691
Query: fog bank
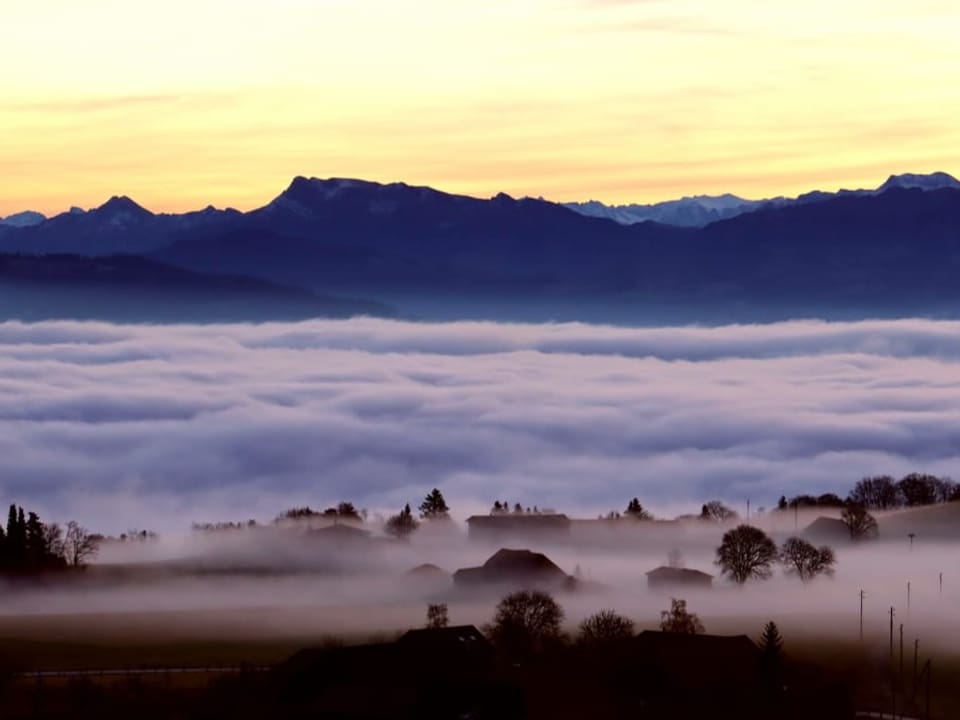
pixel 160 426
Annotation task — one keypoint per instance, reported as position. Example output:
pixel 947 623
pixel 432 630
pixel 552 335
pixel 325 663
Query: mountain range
pixel 418 252
pixel 701 210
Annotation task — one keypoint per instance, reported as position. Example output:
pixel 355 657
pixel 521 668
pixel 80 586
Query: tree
pixel 16 538
pixel 437 616
pixel 830 500
pixel 746 552
pixel 402 524
pixel 636 510
pixel 55 542
pixel 859 522
pixel 771 656
pixel 878 493
pixel 36 542
pixel 525 622
pixel 716 511
pixel 434 507
pixel 946 489
pixel 804 559
pixel 605 627
pixel 771 642
pixel 917 489
pixel 80 545
pixel 678 620
pixel 347 511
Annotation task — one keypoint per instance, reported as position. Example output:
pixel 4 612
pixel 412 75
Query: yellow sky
pixel 183 103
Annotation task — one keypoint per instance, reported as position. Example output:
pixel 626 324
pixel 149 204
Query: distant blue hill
pixel 134 289
pixel 893 251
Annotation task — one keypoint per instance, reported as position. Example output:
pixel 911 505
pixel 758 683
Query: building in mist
pixel 827 529
pixel 518 526
pixel 443 672
pixel 669 577
pixel 519 568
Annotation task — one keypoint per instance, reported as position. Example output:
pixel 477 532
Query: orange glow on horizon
pixel 217 102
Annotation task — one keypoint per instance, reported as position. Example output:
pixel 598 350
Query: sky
pixel 122 426
pixel 190 102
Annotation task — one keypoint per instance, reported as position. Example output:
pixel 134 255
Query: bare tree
pixel 525 621
pixel 746 552
pixel 859 522
pixel 80 545
pixel 54 542
pixel 605 626
pixel 717 512
pixel 878 492
pixel 805 560
pixel 678 620
pixel 437 616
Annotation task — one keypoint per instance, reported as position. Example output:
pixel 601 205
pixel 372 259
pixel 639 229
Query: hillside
pixel 123 288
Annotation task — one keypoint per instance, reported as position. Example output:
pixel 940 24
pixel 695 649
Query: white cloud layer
pixel 124 426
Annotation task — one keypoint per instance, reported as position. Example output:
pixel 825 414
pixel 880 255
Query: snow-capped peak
pixel 932 181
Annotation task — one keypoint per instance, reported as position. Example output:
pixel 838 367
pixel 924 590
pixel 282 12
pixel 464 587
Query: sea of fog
pixel 123 426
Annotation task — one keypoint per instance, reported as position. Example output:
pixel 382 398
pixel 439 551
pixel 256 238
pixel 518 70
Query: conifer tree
pixel 434 507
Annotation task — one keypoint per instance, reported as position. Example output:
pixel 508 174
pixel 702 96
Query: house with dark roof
pixel 442 672
pixel 520 568
pixel 341 535
pixel 427 577
pixel 670 577
pixel 680 673
pixel 518 526
pixel 462 644
pixel 827 529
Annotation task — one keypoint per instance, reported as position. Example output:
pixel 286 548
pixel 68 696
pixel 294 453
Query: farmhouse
pixel 664 576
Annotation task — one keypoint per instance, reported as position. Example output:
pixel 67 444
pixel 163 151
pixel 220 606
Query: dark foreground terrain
pixel 136 668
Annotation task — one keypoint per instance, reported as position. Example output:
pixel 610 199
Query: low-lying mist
pixel 274 582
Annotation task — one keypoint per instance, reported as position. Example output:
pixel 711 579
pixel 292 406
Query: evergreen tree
pixel 402 524
pixel 771 642
pixel 771 659
pixel 434 507
pixel 636 510
pixel 16 538
pixel 36 542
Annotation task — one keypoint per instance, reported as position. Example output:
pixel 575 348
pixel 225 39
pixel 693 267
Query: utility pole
pixel 901 652
pixel 862 594
pixel 892 613
pixel 911 536
pixel 941 585
pixel 908 598
pixel 748 509
pixel 916 656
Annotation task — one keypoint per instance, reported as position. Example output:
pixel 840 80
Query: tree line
pixel 30 546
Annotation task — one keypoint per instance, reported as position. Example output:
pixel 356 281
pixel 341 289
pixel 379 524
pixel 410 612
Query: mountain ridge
pixel 436 255
pixel 702 210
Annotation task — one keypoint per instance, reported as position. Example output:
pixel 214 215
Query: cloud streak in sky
pixel 161 426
